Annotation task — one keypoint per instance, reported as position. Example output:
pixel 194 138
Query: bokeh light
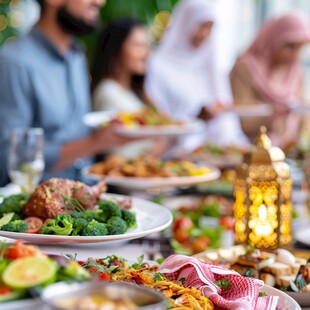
pixel 14 3
pixel 161 22
pixel 16 19
pixel 3 22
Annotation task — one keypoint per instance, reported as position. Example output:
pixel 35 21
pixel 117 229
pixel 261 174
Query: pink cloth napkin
pixel 241 295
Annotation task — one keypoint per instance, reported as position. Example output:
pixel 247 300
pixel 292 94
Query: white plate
pixel 285 301
pixel 147 183
pixel 23 304
pixel 217 160
pixel 188 127
pixel 300 108
pixel 302 298
pixel 151 218
pixel 97 119
pixel 252 111
pixel 303 235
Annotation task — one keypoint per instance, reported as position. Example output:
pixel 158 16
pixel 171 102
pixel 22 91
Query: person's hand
pixel 208 113
pixel 107 139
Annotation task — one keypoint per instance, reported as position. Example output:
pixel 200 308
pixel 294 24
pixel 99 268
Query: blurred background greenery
pixel 154 13
pixel 12 16
pixel 237 23
pixel 8 21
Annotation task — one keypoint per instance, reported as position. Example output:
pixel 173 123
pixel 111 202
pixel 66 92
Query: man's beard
pixel 74 25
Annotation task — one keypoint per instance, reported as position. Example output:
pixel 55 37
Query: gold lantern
pixel 263 208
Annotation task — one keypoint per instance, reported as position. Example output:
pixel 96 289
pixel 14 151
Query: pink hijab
pixel 291 27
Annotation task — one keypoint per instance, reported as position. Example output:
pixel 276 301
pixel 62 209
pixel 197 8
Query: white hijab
pixel 187 17
pixel 176 63
pixel 181 78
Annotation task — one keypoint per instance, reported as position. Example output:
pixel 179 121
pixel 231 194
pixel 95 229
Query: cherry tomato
pixel 200 244
pixel 19 250
pixel 34 224
pixel 181 235
pixel 12 253
pixel 227 222
pixel 183 223
pixel 103 276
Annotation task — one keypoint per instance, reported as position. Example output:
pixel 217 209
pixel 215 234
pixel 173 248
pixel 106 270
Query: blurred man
pixel 44 83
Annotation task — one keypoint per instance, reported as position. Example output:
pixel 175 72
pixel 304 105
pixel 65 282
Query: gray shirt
pixel 41 87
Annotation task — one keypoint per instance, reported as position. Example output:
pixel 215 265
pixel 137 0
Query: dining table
pixel 157 245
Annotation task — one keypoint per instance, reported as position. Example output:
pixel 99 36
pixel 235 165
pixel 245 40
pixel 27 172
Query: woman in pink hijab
pixel 270 72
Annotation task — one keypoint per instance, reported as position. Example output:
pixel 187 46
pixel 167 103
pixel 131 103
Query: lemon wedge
pixel 26 272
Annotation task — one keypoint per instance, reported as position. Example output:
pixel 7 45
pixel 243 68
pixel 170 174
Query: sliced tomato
pixel 34 224
pixel 12 253
pixel 5 290
pixel 19 250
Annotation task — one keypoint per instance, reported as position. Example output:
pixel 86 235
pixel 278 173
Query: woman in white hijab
pixel 183 79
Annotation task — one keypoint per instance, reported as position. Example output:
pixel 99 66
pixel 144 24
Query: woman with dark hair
pixel 119 66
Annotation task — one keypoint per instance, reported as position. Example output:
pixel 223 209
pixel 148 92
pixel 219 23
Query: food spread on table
pixel 200 224
pixel 280 268
pixel 147 167
pixel 67 208
pixel 146 117
pixel 25 271
pixel 218 150
pixel 218 155
pixel 114 268
pixel 187 282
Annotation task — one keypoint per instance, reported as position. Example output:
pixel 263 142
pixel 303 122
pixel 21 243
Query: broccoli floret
pixel 129 218
pixel 92 215
pixel 13 204
pixel 117 226
pixel 16 226
pixel 62 224
pixel 79 223
pixel 108 209
pixel 95 228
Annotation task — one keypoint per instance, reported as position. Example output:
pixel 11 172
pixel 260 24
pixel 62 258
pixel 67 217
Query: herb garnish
pixel 75 204
pixel 93 265
pixel 223 284
pixel 138 265
pixel 158 277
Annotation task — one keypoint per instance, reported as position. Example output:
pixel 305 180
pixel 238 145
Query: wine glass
pixel 26 157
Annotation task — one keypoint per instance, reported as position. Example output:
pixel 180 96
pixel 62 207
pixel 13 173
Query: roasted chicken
pixel 62 196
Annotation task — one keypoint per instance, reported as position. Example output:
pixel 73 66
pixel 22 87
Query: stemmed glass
pixel 26 157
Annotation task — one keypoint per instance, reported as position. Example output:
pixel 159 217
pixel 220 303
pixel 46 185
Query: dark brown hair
pixel 108 49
